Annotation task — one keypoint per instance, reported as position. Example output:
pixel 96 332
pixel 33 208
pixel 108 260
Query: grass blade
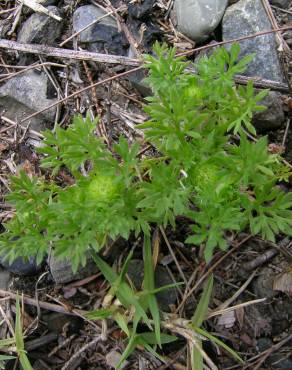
pixel 149 285
pixel 123 291
pixel 219 342
pixel 197 358
pixel 202 307
pixel 19 341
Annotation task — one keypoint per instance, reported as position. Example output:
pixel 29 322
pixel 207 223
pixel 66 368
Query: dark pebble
pixel 21 267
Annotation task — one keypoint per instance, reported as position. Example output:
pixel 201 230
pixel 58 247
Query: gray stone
pixel 247 17
pixel 137 78
pixel 141 10
pixel 264 343
pixel 273 117
pixel 4 279
pixel 284 4
pixel 56 321
pixel 22 267
pixel 62 273
pixel 40 28
pixel 263 285
pixel 103 36
pixel 165 298
pixel 25 94
pixel 198 18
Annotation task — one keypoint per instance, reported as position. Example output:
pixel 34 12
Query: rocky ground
pixel 41 86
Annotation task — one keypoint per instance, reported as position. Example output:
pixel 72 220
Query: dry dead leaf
pixel 240 316
pixel 3 147
pixel 283 282
pixel 227 319
pixel 113 358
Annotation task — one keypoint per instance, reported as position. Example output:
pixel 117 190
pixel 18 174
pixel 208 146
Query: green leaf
pixel 122 322
pixel 150 338
pixel 101 314
pixel 219 343
pixel 19 342
pixel 123 291
pixel 150 285
pixel 202 308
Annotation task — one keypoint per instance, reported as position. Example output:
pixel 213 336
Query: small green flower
pixel 102 188
pixel 206 176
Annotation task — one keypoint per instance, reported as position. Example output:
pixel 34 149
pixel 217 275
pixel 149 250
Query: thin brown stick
pixel 248 37
pixel 33 66
pixel 229 301
pixel 211 269
pixel 173 255
pixel 274 348
pixel 79 92
pixel 67 54
pixel 113 59
pixel 262 83
pixel 79 353
pixel 8 10
pixel 44 305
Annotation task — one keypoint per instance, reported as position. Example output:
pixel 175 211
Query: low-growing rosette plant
pixel 206 169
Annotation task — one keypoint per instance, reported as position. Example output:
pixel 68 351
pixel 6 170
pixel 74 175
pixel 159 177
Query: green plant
pixel 206 170
pixel 16 343
pixel 197 353
pixel 143 302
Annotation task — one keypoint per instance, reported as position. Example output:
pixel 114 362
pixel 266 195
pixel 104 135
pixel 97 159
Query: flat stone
pixel 273 117
pixel 247 17
pixel 57 321
pixel 197 19
pixel 25 94
pixel 4 279
pixel 62 272
pixel 263 285
pixel 103 36
pixel 22 267
pixel 113 358
pixel 40 28
pixel 137 78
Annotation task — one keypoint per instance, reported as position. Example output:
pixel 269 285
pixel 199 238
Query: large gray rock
pixel 61 270
pixel 273 117
pixel 21 267
pixel 247 17
pixel 198 18
pixel 165 298
pixel 103 36
pixel 40 28
pixel 25 94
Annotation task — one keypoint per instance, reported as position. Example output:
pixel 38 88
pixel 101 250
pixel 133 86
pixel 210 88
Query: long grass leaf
pixel 202 307
pixel 219 342
pixel 18 328
pixel 25 362
pixel 150 285
pixel 6 342
pixel 128 351
pixel 123 292
pixel 197 358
